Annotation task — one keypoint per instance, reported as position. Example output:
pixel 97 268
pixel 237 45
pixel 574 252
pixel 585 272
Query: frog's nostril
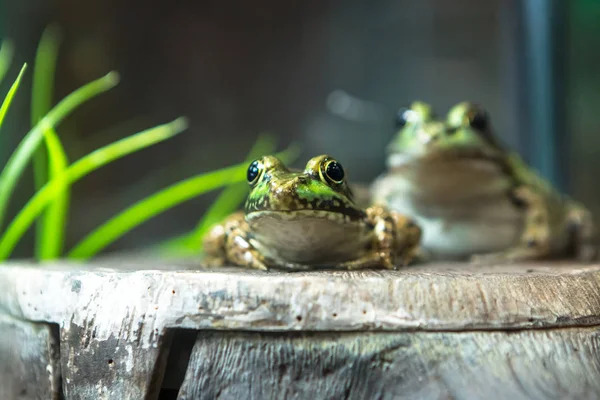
pixel 283 189
pixel 298 181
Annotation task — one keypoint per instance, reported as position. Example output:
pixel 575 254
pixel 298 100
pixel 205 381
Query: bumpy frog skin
pixel 473 198
pixel 302 220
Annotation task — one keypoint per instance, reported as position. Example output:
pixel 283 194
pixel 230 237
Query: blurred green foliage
pixel 54 175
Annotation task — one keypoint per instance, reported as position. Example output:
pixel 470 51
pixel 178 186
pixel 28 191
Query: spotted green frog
pixel 301 220
pixel 474 198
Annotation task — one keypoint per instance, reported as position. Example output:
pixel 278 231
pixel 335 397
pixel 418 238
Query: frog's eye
pixel 407 115
pixel 333 172
pixel 255 170
pixel 402 117
pixel 478 119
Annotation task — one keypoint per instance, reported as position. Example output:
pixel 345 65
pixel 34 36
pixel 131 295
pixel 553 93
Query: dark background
pixel 239 68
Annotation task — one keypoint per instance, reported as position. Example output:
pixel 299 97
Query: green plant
pixel 6 54
pixel 54 175
pixel 228 201
pixel 50 246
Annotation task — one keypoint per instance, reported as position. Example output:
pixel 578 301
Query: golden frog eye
pixel 254 172
pixel 332 171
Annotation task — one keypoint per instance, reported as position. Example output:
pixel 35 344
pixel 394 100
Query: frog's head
pixel 320 190
pixel 466 132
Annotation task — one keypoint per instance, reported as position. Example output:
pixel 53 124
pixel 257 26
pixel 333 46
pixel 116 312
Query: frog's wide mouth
pixel 289 215
pixel 441 155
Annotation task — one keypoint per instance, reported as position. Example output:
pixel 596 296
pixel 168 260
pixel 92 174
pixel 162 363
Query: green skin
pixel 472 197
pixel 302 220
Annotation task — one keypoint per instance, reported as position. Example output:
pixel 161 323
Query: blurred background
pixel 327 73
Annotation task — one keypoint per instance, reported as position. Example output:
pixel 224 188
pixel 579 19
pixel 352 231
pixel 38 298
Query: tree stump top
pixel 435 297
pixel 120 329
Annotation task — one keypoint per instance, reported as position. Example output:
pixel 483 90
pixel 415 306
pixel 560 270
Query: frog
pixel 474 197
pixel 307 219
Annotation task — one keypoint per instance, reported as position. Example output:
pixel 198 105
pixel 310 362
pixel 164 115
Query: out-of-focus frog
pixel 301 220
pixel 472 197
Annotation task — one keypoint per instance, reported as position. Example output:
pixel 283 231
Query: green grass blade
pixel 153 205
pixel 52 236
pixel 43 74
pixel 233 195
pixel 178 246
pixel 11 94
pixel 6 54
pixel 41 102
pixel 227 202
pixel 21 156
pixel 78 170
pixel 191 243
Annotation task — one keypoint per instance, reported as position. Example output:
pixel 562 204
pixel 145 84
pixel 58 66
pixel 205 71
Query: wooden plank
pixel 114 317
pixel 436 297
pixel 561 364
pixel 29 367
pixel 117 367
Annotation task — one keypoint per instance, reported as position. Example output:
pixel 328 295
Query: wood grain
pixel 432 298
pixel 441 365
pixel 114 368
pixel 429 331
pixel 29 365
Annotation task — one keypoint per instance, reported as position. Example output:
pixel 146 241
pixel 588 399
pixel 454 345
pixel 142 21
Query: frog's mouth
pixel 293 206
pixel 440 156
pixel 307 214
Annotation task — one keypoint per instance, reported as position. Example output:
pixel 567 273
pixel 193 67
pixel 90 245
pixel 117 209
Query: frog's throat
pixel 289 215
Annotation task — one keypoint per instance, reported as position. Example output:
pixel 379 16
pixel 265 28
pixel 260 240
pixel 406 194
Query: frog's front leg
pixel 229 242
pixel 535 241
pixel 585 235
pixel 395 242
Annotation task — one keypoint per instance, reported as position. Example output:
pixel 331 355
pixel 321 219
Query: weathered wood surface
pixel 431 297
pixel 114 368
pixel 29 365
pixel 116 327
pixel 564 364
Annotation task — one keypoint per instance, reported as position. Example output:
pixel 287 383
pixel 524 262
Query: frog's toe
pixel 254 261
pixel 260 266
pixel 512 255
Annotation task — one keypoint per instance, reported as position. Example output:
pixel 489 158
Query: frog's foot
pixel 512 255
pixel 396 239
pixel 534 243
pixel 532 248
pixel 229 242
pixel 371 260
pixel 240 252
pixel 585 235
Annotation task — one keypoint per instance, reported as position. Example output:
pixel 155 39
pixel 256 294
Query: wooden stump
pixel 142 331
